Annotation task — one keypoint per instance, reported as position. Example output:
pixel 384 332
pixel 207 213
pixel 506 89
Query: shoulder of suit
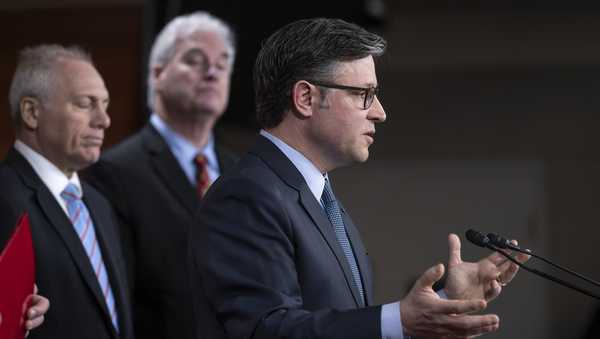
pixel 251 171
pixel 124 151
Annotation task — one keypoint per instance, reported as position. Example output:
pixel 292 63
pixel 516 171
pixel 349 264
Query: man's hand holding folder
pixel 20 310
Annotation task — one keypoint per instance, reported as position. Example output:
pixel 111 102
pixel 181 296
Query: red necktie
pixel 202 180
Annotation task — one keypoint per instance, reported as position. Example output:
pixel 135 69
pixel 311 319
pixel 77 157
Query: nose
pixel 211 71
pixel 101 118
pixel 376 111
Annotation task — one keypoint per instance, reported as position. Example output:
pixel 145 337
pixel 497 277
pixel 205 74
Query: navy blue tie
pixel 335 217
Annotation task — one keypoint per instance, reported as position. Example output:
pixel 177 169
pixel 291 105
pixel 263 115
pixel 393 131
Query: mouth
pixel 370 136
pixel 93 141
pixel 209 90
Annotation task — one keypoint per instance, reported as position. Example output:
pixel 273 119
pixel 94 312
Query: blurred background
pixel 492 124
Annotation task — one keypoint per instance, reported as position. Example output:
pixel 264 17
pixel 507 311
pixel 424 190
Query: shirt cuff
pixel 391 323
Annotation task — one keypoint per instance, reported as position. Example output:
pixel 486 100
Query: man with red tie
pixel 156 178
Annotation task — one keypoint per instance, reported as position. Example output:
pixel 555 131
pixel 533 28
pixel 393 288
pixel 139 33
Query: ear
pixel 30 112
pixel 303 98
pixel 156 72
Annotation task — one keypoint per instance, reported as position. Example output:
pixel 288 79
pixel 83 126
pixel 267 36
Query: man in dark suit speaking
pixel 58 104
pixel 278 254
pixel 156 178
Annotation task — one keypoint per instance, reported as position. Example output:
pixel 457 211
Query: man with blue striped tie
pixel 58 107
pixel 277 253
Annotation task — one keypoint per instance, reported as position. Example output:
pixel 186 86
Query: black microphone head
pixel 498 240
pixel 477 238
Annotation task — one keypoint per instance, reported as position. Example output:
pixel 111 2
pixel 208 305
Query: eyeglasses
pixel 368 92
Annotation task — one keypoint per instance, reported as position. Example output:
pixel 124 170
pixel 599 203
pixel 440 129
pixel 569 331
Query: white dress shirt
pixel 53 178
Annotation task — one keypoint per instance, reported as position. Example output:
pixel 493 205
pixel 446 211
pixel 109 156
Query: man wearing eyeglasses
pixel 278 254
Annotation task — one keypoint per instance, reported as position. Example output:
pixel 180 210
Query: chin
pixel 210 105
pixel 88 160
pixel 361 157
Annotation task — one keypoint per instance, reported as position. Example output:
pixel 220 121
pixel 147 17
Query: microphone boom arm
pixel 544 275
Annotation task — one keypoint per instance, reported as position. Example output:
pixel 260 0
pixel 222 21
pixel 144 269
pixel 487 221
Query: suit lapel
pixel 101 223
pixel 225 158
pixel 58 219
pixel 168 169
pixel 289 173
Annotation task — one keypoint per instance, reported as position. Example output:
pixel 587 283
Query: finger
pixel 497 258
pixel 39 306
pixel 485 329
pixel 33 323
pixel 522 257
pixel 35 289
pixel 453 250
pixel 509 273
pixel 494 291
pixel 427 279
pixel 458 306
pixel 471 325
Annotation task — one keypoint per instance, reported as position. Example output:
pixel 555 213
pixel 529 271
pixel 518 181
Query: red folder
pixel 17 275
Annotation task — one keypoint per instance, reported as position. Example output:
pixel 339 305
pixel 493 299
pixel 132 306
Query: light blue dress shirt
pixel 185 152
pixel 391 324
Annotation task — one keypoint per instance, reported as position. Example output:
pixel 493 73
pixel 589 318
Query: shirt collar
pixel 313 177
pixel 53 178
pixel 180 144
pixel 183 150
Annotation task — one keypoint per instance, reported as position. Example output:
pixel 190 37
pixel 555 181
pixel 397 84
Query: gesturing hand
pixel 425 314
pixel 481 280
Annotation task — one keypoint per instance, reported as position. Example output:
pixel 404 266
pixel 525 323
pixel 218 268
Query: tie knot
pixel 200 160
pixel 327 195
pixel 71 193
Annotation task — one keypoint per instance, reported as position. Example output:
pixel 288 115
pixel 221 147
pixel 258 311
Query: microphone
pixel 478 238
pixel 504 243
pixel 481 240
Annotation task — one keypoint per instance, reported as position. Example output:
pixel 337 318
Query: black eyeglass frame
pixel 370 92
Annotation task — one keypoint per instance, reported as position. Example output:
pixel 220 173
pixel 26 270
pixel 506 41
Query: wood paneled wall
pixel 112 35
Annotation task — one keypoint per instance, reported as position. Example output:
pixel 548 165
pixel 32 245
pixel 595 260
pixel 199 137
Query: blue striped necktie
pixel 335 217
pixel 82 222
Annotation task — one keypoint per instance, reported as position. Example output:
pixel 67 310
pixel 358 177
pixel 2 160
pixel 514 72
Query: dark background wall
pixel 492 123
pixel 111 33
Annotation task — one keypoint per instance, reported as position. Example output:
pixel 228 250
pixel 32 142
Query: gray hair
pixel 181 27
pixel 36 73
pixel 308 49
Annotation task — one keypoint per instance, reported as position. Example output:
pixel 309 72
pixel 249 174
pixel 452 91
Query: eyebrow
pixel 91 97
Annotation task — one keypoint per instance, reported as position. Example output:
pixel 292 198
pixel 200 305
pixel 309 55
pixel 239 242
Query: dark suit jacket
pixel 63 271
pixel 270 260
pixel 8 217
pixel 155 204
